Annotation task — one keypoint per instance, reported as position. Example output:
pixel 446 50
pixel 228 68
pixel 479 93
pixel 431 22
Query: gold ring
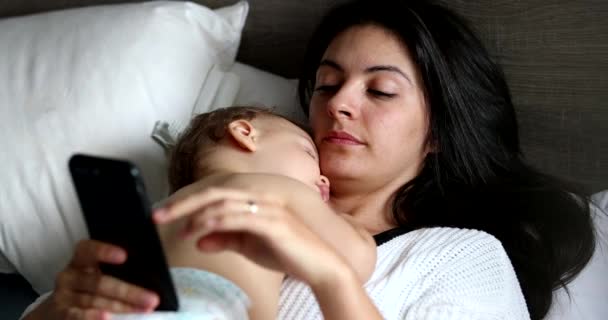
pixel 253 207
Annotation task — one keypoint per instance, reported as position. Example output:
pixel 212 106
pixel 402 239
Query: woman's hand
pixel 82 292
pixel 259 226
pixel 262 228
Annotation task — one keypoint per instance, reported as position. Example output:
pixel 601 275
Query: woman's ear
pixel 244 134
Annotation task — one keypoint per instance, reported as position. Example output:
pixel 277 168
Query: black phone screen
pixel 116 210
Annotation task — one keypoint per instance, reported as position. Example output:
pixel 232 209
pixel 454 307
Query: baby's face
pixel 288 150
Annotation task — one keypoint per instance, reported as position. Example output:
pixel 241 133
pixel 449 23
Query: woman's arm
pixel 353 242
pixel 342 297
pixel 277 239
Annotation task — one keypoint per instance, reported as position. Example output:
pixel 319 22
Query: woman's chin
pixel 340 169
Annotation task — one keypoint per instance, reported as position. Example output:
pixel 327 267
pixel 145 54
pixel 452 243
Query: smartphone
pixel 117 210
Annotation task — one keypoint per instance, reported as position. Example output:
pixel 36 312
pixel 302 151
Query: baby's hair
pixel 205 130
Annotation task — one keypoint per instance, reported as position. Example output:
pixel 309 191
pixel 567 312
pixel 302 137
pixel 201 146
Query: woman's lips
pixel 342 138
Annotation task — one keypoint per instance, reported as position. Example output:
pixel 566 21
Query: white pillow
pixel 258 87
pixel 220 96
pixel 589 290
pixel 93 80
pixel 219 92
pixel 242 85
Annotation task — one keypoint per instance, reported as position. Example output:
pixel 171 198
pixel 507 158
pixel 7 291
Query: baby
pixel 250 149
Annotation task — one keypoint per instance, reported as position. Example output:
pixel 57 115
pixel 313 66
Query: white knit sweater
pixel 435 273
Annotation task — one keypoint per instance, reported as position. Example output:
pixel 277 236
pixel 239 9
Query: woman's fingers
pixel 255 236
pixel 89 253
pixel 182 205
pixel 96 290
pixel 235 221
pixel 239 222
pixel 272 239
pixel 82 292
pixel 208 215
pixel 192 201
pixel 82 284
pixel 82 314
pixel 86 301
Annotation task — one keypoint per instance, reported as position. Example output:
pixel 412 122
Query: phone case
pixel 117 210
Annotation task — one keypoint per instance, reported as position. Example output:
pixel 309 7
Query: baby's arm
pixel 260 284
pixel 349 239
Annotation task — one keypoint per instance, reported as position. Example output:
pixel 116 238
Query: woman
pixel 416 131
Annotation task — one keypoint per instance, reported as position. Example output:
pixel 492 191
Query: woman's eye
pixel 382 94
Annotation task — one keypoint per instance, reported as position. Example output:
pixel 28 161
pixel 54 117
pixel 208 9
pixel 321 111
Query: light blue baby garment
pixel 202 295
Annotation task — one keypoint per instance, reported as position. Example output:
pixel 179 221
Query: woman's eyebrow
pixel 390 68
pixel 331 64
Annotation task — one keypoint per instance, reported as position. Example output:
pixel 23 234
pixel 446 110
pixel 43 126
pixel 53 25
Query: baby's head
pixel 244 140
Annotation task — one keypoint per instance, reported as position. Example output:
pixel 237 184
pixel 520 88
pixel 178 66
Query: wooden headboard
pixel 554 52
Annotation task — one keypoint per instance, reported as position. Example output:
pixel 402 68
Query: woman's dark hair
pixel 477 177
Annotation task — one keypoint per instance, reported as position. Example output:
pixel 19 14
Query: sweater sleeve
pixel 470 277
pixel 35 304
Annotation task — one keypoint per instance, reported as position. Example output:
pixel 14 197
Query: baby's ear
pixel 244 134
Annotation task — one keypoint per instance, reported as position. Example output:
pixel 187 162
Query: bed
pixel 554 52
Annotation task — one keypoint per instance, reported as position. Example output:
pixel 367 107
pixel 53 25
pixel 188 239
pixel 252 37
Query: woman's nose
pixel 344 104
